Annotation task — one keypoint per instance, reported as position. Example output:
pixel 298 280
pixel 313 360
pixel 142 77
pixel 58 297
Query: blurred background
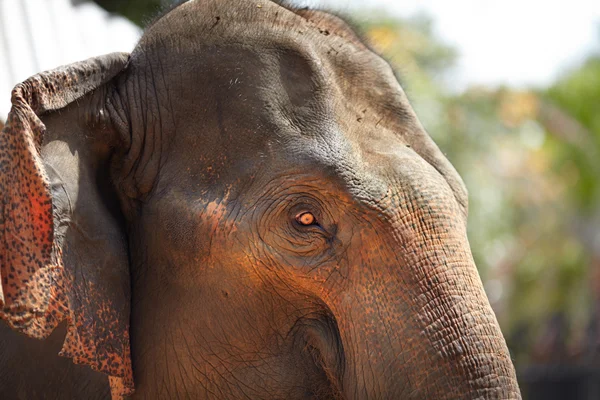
pixel 509 90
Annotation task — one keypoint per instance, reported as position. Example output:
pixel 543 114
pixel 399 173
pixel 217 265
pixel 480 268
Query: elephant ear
pixel 63 253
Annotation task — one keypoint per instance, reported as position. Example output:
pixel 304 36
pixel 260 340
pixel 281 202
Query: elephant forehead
pixel 254 60
pixel 258 86
pixel 256 122
pixel 308 54
pixel 261 114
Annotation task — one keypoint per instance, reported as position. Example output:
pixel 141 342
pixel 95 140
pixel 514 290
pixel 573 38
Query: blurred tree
pixel 578 95
pixel 138 11
pixel 576 99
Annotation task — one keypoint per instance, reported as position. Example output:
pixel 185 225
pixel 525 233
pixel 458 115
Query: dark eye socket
pixel 306 218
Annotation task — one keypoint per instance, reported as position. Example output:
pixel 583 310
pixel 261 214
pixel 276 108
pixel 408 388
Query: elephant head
pixel 250 204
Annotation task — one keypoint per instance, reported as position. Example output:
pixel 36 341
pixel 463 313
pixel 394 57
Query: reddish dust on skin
pixel 28 274
pixel 215 215
pixel 36 291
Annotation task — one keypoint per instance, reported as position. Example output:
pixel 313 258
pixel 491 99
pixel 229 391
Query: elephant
pixel 245 206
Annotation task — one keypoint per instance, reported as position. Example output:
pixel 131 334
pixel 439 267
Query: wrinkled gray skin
pixel 229 120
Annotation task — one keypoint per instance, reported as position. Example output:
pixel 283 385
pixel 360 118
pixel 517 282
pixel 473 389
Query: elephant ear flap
pixel 37 291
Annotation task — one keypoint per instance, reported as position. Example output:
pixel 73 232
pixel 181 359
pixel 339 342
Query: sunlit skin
pixel 246 207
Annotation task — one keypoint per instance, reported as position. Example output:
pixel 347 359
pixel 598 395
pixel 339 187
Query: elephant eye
pixel 306 218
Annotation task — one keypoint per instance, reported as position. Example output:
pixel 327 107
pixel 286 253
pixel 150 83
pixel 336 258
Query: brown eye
pixel 306 218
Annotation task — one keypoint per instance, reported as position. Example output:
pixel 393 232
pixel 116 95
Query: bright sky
pixel 36 35
pixel 517 42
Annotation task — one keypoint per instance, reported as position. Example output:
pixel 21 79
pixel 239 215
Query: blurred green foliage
pixel 139 11
pixel 578 94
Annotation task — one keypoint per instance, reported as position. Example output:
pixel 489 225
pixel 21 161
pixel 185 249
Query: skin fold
pixel 245 207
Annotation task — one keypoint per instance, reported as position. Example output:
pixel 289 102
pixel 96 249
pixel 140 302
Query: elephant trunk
pixel 428 331
pixel 441 341
pixel 460 350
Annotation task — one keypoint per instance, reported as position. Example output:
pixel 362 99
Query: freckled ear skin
pixel 45 277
